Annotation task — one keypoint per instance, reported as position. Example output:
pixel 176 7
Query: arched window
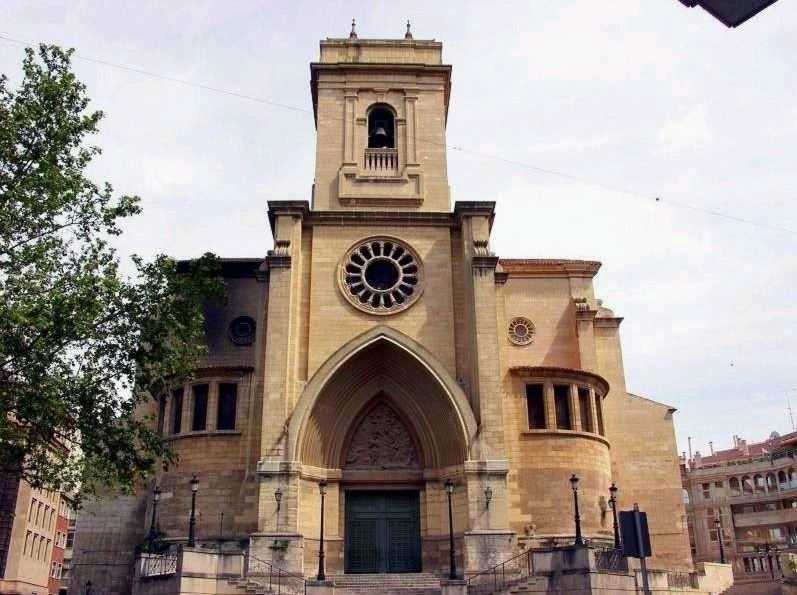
pixel 783 482
pixel 772 484
pixel 792 478
pixel 734 485
pixel 381 128
pixel 759 483
pixel 747 485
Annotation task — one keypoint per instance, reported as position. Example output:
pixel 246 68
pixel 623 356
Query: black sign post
pixel 636 540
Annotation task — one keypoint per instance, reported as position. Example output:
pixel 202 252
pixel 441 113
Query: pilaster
pixel 585 331
pixel 284 263
pixel 476 222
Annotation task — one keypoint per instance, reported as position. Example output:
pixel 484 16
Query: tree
pixel 84 349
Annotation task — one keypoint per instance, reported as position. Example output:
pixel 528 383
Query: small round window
pixel 521 331
pixel 242 330
pixel 381 276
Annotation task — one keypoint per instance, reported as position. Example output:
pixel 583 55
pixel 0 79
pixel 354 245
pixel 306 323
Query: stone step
pixel 765 587
pixel 387 584
pixel 357 584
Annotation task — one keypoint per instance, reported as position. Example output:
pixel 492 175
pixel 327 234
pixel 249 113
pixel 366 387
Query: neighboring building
pixel 61 561
pixel 28 527
pixel 381 347
pixel 71 516
pixel 752 489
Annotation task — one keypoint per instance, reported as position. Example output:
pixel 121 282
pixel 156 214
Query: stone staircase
pixel 349 584
pixel 261 586
pixel 387 584
pixel 756 588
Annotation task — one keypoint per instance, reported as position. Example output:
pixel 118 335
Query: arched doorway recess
pixel 383 423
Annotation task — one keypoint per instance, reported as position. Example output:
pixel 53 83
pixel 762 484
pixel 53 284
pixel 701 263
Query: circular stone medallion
pixel 521 331
pixel 381 276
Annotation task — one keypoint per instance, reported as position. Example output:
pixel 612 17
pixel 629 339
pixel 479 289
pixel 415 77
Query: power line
pixel 528 166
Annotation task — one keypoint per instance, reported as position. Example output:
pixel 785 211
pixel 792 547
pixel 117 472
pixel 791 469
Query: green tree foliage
pixel 84 349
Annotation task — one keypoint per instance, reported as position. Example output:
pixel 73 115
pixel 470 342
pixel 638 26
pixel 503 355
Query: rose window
pixel 521 331
pixel 381 276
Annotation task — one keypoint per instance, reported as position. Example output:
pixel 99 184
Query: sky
pixel 631 99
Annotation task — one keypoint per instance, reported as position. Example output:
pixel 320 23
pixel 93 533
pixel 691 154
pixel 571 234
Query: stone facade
pixel 384 353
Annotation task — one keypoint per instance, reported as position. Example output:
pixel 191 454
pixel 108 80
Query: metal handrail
pixel 163 564
pixel 279 581
pixel 503 575
pixel 610 560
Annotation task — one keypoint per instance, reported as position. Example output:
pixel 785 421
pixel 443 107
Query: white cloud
pixel 689 130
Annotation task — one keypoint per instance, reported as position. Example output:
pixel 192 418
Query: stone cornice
pixel 476 208
pixel 564 373
pixel 294 208
pixel 317 67
pixel 403 218
pixel 541 267
pixel 231 268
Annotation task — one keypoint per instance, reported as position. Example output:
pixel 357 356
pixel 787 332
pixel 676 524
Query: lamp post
pixel 574 484
pixel 322 489
pixel 488 496
pixel 718 526
pixel 156 496
pixel 278 498
pixel 613 504
pixel 192 519
pixel 452 562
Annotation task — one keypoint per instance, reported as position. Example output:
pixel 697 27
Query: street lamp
pixel 156 496
pixel 322 489
pixel 452 563
pixel 718 527
pixel 192 519
pixel 613 503
pixel 574 483
pixel 488 496
pixel 278 498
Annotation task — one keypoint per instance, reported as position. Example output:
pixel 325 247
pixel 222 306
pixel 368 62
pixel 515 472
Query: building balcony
pixel 381 162
pixel 766 517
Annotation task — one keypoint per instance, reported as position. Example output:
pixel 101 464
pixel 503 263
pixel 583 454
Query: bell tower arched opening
pixel 381 127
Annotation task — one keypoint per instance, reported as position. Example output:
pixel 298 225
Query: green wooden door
pixel 382 532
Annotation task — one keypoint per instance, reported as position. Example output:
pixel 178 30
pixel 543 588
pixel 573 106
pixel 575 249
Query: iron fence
pixel 503 576
pixel 611 560
pixel 682 580
pixel 164 564
pixel 274 578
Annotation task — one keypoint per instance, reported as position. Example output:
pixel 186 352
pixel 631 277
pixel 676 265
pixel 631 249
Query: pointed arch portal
pixel 384 365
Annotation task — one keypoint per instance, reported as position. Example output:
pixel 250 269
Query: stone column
pixel 575 410
pixel 211 418
pixel 550 405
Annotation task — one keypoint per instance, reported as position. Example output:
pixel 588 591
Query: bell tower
pixel 380 108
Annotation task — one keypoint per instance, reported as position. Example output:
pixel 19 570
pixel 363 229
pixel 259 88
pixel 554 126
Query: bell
pixel 380 137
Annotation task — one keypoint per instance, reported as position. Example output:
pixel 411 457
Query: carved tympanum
pixel 382 441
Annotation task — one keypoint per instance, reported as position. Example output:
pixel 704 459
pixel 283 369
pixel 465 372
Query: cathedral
pixel 382 385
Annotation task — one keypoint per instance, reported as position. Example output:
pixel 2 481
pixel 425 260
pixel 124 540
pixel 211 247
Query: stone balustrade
pixel 381 162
